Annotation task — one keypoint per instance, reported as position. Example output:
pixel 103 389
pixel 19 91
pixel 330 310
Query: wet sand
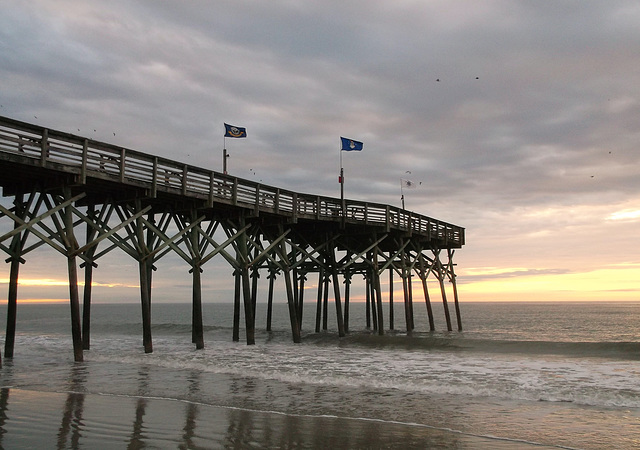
pixel 33 419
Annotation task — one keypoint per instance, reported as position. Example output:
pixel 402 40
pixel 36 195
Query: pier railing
pixel 88 158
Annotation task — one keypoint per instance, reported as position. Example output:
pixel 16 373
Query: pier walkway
pixel 85 198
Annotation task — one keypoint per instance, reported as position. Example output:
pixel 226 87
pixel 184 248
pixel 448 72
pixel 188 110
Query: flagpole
pixel 342 204
pixel 224 155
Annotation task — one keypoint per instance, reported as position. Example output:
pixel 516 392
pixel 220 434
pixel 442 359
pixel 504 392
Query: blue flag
pixel 349 145
pixel 234 132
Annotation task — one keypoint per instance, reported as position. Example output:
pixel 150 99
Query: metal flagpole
pixel 224 155
pixel 342 204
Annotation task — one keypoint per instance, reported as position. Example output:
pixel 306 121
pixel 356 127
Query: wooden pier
pixel 85 198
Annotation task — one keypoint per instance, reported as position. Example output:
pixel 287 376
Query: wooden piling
pixel 254 290
pixel 442 289
pixel 319 298
pixel 336 292
pixel 12 307
pixel 88 280
pixel 425 289
pixel 325 304
pixel 145 302
pixel 86 306
pixel 300 310
pixel 12 298
pixel 452 278
pixel 293 316
pixel 272 278
pixel 367 301
pixel 411 312
pixel 236 305
pixel 372 299
pixel 391 315
pixel 243 259
pixel 347 292
pixel 378 290
pixel 407 312
pixel 248 307
pixel 74 300
pixel 197 325
pixel 12 304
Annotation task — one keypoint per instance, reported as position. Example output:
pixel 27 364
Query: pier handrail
pixel 83 156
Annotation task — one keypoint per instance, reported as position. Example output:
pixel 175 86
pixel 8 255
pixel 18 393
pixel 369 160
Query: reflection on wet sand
pixel 88 419
pixel 71 423
pixel 4 401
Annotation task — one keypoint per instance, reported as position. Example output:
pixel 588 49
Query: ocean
pixel 520 375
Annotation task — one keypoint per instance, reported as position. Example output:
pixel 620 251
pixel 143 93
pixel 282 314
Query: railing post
pixel 234 193
pixel 154 180
pixel 83 170
pixel 210 198
pixel 184 179
pixel 122 166
pixel 44 147
pixel 256 206
pixel 294 201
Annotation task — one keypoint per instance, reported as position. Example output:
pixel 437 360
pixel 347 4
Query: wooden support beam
pixel 378 290
pixel 452 278
pixel 236 305
pixel 30 225
pixel 440 273
pixel 325 303
pixel 405 289
pixel 319 298
pixel 410 285
pixel 300 309
pixel 372 299
pixel 347 293
pixel 74 299
pixel 367 304
pixel 272 279
pixel 424 271
pixel 243 259
pixel 12 299
pixel 170 241
pixel 293 316
pixel 359 255
pixel 197 325
pixel 220 248
pixel 336 293
pixel 391 313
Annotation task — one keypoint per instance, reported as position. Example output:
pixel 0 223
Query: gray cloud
pixel 536 107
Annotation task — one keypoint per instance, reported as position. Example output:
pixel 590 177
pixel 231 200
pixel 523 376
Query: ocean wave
pixel 452 343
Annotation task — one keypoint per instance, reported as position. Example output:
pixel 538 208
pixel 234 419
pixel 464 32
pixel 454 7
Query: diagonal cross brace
pixel 29 225
pixel 168 241
pixel 111 232
pixel 221 248
pixel 359 255
pixel 265 253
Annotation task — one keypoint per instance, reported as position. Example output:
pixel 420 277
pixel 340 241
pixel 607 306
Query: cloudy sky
pixel 521 119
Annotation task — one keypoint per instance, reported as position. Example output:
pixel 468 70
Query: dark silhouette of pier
pixel 67 187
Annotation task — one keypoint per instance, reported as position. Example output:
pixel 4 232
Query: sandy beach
pixel 31 419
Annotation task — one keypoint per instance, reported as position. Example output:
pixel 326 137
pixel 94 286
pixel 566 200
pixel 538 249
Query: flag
pixel 409 184
pixel 350 145
pixel 234 132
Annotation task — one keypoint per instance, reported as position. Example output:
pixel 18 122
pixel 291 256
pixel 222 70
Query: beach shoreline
pixel 36 419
